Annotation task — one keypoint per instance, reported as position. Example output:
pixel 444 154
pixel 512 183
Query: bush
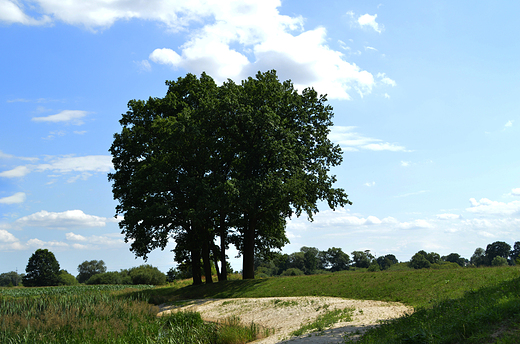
pixel 292 272
pixel 64 278
pixel 147 274
pixel 445 265
pixel 499 261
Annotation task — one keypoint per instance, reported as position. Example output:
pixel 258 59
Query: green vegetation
pixel 417 288
pixel 488 315
pixel 326 320
pixel 106 314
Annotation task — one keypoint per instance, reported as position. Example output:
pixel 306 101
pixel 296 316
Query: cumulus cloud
pixel 18 197
pixel 46 244
pixel 95 241
pixel 228 39
pixel 62 220
pixel 448 216
pixel 16 172
pixel 68 116
pixel 6 237
pixel 488 207
pixel 11 12
pixel 515 192
pixel 369 184
pixel 89 163
pixel 367 20
pixel 350 140
pixel 415 224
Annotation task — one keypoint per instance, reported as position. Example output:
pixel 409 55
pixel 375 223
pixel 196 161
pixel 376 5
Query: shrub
pixel 64 278
pixel 292 272
pixel 147 274
pixel 499 261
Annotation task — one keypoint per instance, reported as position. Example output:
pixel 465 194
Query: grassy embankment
pixel 452 306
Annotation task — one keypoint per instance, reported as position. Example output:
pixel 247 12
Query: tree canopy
pixel 42 269
pixel 88 269
pixel 231 161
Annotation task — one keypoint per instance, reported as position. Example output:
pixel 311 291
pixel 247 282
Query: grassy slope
pixel 418 288
pixel 477 306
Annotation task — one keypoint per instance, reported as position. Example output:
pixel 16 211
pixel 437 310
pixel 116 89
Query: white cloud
pixel 64 220
pixel 386 80
pixel 487 207
pixel 9 156
pixel 43 244
pixel 448 216
pixel 415 224
pixel 231 39
pixel 369 184
pixel 16 172
pixel 70 116
pixel 89 163
pixel 11 12
pixel 5 236
pixel 515 192
pixel 370 21
pixel 348 139
pixel 75 237
pixel 509 123
pixel 18 197
pixel 405 163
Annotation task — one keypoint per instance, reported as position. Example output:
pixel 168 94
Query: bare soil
pixel 287 314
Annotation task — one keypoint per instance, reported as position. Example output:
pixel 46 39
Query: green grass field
pixel 480 305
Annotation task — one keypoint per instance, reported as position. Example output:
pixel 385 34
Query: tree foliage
pixel 233 161
pixel 88 269
pixel 42 269
pixel 10 279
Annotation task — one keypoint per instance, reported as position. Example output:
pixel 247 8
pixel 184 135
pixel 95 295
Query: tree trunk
pixel 206 261
pixel 215 262
pixel 248 268
pixel 223 239
pixel 195 266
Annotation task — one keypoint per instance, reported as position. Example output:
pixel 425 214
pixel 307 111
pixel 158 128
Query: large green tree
pixel 233 161
pixel 88 269
pixel 42 269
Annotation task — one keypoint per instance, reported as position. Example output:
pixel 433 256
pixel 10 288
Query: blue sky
pixel 425 97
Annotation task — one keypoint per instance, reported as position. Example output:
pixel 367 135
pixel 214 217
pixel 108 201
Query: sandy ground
pixel 287 314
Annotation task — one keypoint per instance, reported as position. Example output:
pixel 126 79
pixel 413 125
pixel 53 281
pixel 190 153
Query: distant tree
pixel 362 259
pixel 497 249
pixel 420 261
pixel 42 270
pixel 479 257
pixel 147 274
pixel 65 278
pixel 310 259
pixel 337 259
pixel 515 253
pixel 454 258
pixel 88 269
pixel 387 261
pixel 10 279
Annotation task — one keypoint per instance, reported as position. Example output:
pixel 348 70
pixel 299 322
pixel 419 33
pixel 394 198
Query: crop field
pixel 104 314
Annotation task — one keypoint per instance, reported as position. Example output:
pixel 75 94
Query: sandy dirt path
pixel 287 314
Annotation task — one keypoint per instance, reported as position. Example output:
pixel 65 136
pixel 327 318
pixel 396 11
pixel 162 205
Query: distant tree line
pixel 44 270
pixel 310 260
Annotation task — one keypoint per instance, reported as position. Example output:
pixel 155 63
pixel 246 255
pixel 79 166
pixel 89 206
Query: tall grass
pixel 89 314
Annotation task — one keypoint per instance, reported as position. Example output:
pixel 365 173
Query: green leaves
pixel 205 156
